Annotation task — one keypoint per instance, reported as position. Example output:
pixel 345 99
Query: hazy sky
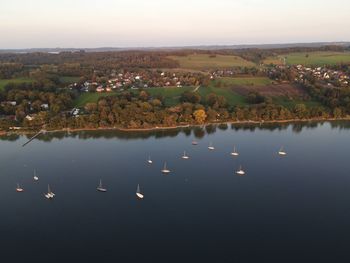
pixel 136 23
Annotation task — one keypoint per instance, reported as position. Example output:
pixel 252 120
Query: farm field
pixel 246 81
pixel 204 61
pixel 4 82
pixel 275 90
pixel 311 58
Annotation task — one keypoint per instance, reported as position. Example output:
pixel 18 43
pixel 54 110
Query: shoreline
pixel 164 128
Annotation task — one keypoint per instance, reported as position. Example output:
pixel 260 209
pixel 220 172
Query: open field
pixel 246 81
pixel 232 97
pixel 69 79
pixel 90 97
pixel 4 82
pixel 235 93
pixel 275 90
pixel 171 95
pixel 263 85
pixel 203 61
pixel 311 58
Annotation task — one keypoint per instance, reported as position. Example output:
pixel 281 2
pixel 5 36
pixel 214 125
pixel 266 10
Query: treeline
pixel 101 60
pixel 337 99
pixel 9 70
pixel 33 98
pixel 133 111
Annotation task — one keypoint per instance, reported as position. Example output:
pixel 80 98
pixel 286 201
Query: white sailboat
pixel 100 187
pixel 185 157
pixel 138 192
pixel 149 160
pixel 240 171
pixel 281 152
pixel 49 194
pixel 165 170
pixel 35 177
pixel 234 153
pixel 211 147
pixel 19 189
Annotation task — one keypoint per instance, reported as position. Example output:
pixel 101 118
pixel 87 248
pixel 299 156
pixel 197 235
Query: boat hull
pixel 139 196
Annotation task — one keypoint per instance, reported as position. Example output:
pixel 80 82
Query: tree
pixel 300 111
pixel 337 113
pixel 200 116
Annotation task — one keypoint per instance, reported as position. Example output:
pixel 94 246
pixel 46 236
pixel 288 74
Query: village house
pixel 29 118
pixel 100 89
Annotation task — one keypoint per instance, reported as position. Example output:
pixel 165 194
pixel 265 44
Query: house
pixel 45 106
pixel 99 89
pixel 75 112
pixel 29 118
pixel 12 103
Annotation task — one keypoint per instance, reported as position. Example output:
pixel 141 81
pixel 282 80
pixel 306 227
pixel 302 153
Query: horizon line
pixel 187 46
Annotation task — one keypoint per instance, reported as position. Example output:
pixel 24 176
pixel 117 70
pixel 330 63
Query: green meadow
pixel 204 61
pixel 311 58
pixel 4 82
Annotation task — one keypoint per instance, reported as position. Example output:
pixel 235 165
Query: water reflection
pixel 197 132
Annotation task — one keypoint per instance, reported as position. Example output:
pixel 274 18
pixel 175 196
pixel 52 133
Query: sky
pixel 155 23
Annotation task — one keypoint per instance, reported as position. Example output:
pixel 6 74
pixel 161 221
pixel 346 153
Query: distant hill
pixel 202 47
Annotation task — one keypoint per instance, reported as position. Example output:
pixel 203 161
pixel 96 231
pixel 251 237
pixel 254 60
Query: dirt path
pixel 196 89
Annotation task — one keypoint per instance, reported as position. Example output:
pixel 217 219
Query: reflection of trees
pixel 223 126
pixel 198 131
pixel 342 125
pixel 11 137
pixel 297 127
pixel 210 128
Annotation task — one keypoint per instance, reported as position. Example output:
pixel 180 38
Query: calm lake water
pixel 286 209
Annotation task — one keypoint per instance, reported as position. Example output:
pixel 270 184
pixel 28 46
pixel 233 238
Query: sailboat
pixel 35 177
pixel 282 152
pixel 234 153
pixel 240 171
pixel 100 187
pixel 19 189
pixel 194 142
pixel 138 192
pixel 211 147
pixel 165 170
pixel 185 157
pixel 49 194
pixel 149 160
